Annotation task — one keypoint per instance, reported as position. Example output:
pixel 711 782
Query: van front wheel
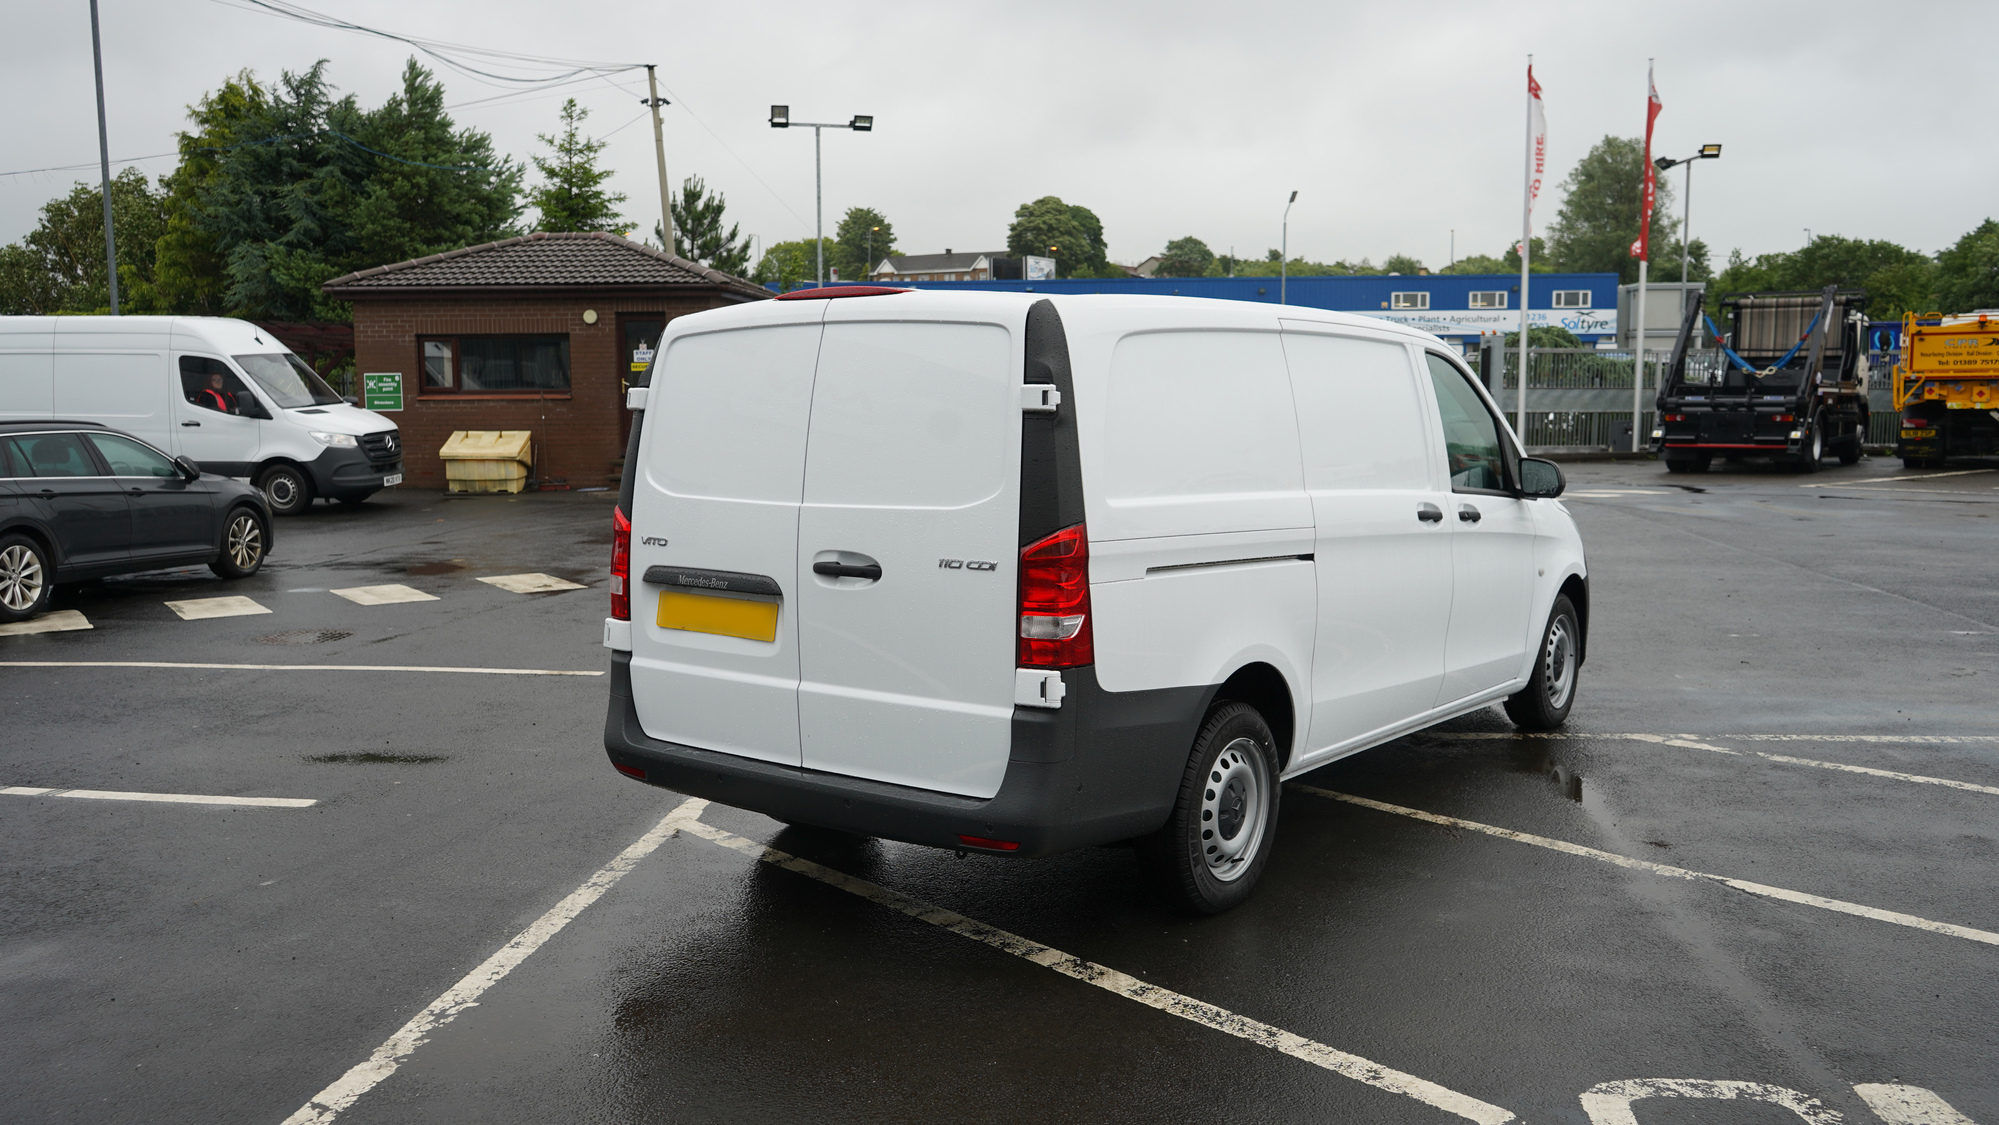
pixel 1551 691
pixel 1214 847
pixel 287 489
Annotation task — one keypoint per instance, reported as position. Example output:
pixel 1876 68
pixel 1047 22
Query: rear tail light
pixel 1913 423
pixel 1784 418
pixel 621 565
pixel 1055 601
pixel 1676 417
pixel 982 842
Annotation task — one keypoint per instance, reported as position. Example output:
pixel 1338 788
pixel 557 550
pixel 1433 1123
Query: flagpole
pixel 1644 220
pixel 1638 359
pixel 1526 250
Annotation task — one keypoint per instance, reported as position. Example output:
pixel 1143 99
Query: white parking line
pixel 200 609
pixel 384 595
pixel 531 583
pixel 170 798
pixel 1918 476
pixel 366 1075
pixel 1131 988
pixel 61 621
pixel 294 667
pixel 1609 1103
pixel 1908 1105
pixel 1690 742
pixel 1946 928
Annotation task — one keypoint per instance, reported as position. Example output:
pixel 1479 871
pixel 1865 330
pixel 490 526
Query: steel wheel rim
pixel 1558 664
pixel 20 578
pixel 1234 809
pixel 282 490
pixel 246 541
pixel 1818 444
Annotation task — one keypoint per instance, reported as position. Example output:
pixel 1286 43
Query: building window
pixel 523 365
pixel 1492 300
pixel 1572 298
pixel 1409 300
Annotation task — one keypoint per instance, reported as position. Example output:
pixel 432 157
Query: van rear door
pixel 715 536
pixel 906 551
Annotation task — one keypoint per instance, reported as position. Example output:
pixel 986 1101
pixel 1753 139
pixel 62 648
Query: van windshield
pixel 287 379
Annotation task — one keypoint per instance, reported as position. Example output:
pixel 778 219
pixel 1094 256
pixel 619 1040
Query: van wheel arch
pixel 1576 589
pixel 1263 687
pixel 308 491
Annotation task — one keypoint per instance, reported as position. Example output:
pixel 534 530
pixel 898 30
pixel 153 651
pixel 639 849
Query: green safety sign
pixel 382 391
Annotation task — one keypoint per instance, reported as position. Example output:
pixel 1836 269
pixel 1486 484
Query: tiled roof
pixel 947 261
pixel 539 260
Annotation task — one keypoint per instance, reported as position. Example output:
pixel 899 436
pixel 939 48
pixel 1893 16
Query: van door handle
pixel 1468 514
pixel 1430 513
pixel 871 571
pixel 190 423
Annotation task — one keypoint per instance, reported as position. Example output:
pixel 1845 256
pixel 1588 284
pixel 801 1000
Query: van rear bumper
pixel 1104 767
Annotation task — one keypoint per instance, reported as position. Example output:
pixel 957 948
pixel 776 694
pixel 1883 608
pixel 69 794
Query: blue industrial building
pixel 1461 306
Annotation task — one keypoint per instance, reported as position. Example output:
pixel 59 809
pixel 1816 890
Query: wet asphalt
pixel 172 962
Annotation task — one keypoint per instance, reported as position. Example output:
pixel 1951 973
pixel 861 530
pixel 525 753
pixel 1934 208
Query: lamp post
pixel 1667 164
pixel 1284 252
pixel 871 251
pixel 780 118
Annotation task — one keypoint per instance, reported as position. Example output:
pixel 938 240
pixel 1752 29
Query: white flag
pixel 1537 142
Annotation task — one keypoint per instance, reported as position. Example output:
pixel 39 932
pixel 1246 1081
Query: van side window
pixel 52 455
pixel 209 384
pixel 128 458
pixel 1471 434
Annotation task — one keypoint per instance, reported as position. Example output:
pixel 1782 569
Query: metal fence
pixel 1579 399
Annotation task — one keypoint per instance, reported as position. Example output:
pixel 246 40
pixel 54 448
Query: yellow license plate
pixel 753 619
pixel 1918 433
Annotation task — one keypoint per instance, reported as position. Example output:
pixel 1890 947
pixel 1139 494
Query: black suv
pixel 79 500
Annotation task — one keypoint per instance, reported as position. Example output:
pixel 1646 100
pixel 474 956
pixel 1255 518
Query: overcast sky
pixel 1396 122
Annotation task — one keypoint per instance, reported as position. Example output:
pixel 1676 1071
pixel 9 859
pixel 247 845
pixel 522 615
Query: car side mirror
pixel 250 408
pixel 188 468
pixel 1541 479
pixel 350 400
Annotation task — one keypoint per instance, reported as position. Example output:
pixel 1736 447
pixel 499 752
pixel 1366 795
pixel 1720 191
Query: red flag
pixel 1538 142
pixel 1642 248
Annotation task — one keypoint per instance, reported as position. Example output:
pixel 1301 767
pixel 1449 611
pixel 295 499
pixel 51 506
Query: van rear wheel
pixel 1214 847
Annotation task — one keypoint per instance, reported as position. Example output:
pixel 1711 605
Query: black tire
pixel 1545 702
pixel 1812 449
pixel 245 539
pixel 287 489
pixel 26 578
pixel 1216 844
pixel 1849 452
pixel 1695 464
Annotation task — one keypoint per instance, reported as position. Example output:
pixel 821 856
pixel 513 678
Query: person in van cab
pixel 216 395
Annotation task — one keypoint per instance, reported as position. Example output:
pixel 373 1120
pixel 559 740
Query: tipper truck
pixel 1947 388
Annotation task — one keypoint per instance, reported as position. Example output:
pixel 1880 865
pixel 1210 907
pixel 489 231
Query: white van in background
pixel 223 393
pixel 1013 575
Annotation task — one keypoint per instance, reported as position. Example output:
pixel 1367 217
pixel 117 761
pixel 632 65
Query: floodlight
pixel 1665 163
pixel 1294 198
pixel 780 117
pixel 1709 152
pixel 861 124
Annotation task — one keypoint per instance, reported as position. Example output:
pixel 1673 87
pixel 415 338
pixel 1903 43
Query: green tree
pixel 572 195
pixel 1072 235
pixel 1186 257
pixel 189 268
pixel 1402 264
pixel 1967 275
pixel 789 264
pixel 1537 262
pixel 1483 263
pixel 1598 220
pixel 1896 278
pixel 59 266
pixel 1545 336
pixel 698 233
pixel 863 238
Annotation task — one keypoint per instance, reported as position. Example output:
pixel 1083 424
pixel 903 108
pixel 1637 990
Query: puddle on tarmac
pixel 375 758
pixel 305 637
pixel 1544 758
pixel 451 567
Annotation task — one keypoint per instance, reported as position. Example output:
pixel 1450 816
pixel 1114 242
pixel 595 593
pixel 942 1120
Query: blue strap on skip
pixel 1745 364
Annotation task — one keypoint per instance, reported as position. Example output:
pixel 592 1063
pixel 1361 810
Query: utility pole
pixel 104 161
pixel 659 154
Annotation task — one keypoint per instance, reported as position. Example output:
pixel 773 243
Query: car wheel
pixel 1551 691
pixel 244 541
pixel 1850 451
pixel 1812 450
pixel 287 489
pixel 1215 845
pixel 25 574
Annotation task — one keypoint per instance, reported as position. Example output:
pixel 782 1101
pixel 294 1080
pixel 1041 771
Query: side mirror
pixel 188 468
pixel 250 408
pixel 350 400
pixel 1541 479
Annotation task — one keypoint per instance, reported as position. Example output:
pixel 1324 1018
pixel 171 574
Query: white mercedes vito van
pixel 222 393
pixel 1015 574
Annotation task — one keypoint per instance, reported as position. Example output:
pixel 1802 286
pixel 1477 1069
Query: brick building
pixel 533 333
